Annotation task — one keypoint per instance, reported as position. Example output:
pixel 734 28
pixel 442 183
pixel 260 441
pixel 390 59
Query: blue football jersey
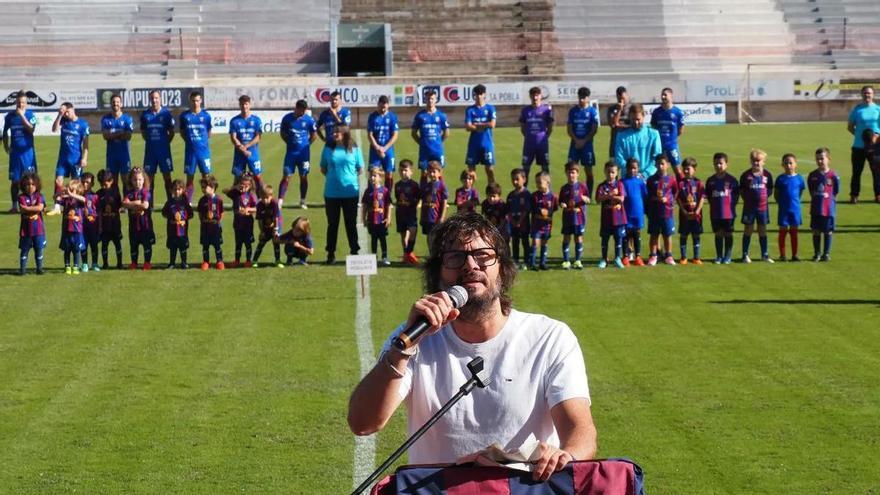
pixel 246 130
pixel 668 123
pixel 382 127
pixel 298 130
pixel 482 115
pixel 431 127
pixel 117 150
pixel 582 120
pixel 194 129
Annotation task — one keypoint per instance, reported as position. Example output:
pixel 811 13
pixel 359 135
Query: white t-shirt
pixel 534 363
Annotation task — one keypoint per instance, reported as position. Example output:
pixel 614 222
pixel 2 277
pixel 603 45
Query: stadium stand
pixel 153 40
pixel 670 36
pixel 465 37
pixel 845 34
pixel 146 39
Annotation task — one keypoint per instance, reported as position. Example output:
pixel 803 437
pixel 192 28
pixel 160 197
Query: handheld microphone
pixel 407 338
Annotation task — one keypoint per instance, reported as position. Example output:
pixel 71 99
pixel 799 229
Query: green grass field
pixel 736 379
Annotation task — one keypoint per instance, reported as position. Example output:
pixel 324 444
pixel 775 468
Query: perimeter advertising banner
pixel 49 99
pixel 696 113
pixel 462 94
pixel 285 97
pixel 139 98
pixel 271 120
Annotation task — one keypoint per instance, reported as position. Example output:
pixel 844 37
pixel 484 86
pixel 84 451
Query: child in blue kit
pixel 32 234
pixel 634 205
pixel 787 192
pixel 691 196
pixel 544 204
pixel 611 193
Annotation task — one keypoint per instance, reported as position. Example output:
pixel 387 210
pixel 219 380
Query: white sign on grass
pixel 361 264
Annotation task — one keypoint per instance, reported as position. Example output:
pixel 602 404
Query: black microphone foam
pixel 407 338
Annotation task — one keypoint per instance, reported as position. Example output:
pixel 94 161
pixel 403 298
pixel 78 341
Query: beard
pixel 478 307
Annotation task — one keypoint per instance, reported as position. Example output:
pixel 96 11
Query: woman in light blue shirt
pixel 341 163
pixel 865 115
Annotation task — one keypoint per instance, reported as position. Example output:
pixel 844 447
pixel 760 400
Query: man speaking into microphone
pixel 538 389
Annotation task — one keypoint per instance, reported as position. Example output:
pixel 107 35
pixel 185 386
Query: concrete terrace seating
pixel 109 39
pixel 633 36
pixel 462 37
pixel 818 26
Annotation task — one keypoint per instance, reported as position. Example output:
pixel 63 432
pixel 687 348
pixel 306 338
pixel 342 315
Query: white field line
pixel 364 447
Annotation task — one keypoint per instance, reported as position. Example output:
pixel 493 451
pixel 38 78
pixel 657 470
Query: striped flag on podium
pixel 596 477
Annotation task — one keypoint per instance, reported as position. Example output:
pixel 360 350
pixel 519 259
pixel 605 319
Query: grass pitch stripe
pixel 364 447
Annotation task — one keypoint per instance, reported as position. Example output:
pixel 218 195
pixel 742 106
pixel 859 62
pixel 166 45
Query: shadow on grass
pixel 817 302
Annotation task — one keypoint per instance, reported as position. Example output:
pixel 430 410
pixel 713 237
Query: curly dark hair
pixel 461 227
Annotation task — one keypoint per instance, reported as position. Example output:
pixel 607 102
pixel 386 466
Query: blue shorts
pixel 118 164
pixel 616 231
pixel 661 226
pixel 573 229
pixel 822 224
pixel 386 163
pixel 636 222
pixel 191 160
pixel 673 155
pixel 158 159
pixel 722 225
pixel 21 163
pixel 72 241
pixel 749 217
pixel 427 228
pixel 32 241
pixel 690 227
pixel 788 218
pixel 66 169
pixel 541 235
pixel 539 154
pixel 405 224
pixel 297 162
pixel 241 163
pixel 179 243
pixel 426 156
pixel 585 156
pixel 480 155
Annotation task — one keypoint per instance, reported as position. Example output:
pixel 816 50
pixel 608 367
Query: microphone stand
pixel 479 378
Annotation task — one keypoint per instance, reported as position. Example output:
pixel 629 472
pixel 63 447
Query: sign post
pixel 361 265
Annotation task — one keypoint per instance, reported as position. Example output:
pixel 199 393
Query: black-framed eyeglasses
pixel 483 257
